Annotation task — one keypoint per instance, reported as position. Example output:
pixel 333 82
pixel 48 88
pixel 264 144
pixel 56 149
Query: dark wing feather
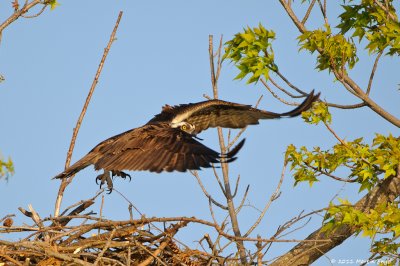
pixel 157 148
pixel 217 113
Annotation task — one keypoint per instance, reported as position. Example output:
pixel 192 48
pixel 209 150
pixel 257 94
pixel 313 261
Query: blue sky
pixel 161 57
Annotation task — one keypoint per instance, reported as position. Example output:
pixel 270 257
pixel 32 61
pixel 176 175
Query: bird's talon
pixel 121 174
pixel 105 178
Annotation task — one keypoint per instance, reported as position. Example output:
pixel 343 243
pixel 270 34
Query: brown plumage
pixel 167 142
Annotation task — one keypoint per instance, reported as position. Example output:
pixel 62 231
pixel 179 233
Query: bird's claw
pixel 121 174
pixel 105 178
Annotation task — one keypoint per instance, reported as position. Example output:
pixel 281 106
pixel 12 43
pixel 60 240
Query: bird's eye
pixel 183 127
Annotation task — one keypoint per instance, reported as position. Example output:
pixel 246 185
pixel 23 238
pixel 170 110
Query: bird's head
pixel 184 126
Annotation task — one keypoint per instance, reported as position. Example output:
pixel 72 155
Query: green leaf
pixel 251 52
pixel 53 4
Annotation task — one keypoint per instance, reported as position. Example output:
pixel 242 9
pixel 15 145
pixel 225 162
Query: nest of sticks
pixel 97 241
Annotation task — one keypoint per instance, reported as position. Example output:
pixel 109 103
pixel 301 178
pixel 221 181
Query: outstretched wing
pixel 217 113
pixel 157 148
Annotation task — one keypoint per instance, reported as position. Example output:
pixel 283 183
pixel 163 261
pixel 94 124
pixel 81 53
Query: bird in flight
pixel 168 142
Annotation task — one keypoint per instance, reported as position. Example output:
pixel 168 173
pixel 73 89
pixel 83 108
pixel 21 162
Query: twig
pixel 196 175
pixel 236 187
pixel 276 95
pixel 323 10
pixel 212 68
pixel 81 202
pixel 310 7
pixel 25 8
pixel 11 259
pixel 330 175
pixel 153 255
pixel 219 53
pixel 298 228
pixel 350 106
pixel 35 216
pixel 130 203
pixel 371 77
pixel 218 180
pixel 290 84
pixel 271 199
pixel 283 90
pixel 241 204
pixel 65 182
pixel 35 15
pixel 101 210
pixel 105 248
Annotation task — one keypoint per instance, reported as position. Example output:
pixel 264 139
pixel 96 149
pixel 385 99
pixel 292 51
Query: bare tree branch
pixel 224 166
pixel 66 181
pixel 273 197
pixel 306 16
pixel 371 77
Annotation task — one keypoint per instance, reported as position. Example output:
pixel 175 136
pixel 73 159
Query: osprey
pixel 168 141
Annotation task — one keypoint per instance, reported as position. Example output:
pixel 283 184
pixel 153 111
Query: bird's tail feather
pixel 304 106
pixel 75 168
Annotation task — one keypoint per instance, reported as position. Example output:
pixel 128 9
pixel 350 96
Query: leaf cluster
pixel 251 51
pixel 335 51
pixel 377 23
pixel 383 220
pixel 364 163
pixel 318 113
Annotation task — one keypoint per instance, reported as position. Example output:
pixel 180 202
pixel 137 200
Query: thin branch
pixel 236 187
pixel 196 175
pixel 65 182
pixel 290 84
pixel 11 260
pixel 35 15
pixel 18 13
pixel 218 179
pixel 298 228
pixel 219 62
pixel 276 95
pixel 212 67
pixel 323 10
pixel 271 199
pixel 106 246
pixel 371 77
pixel 330 175
pixel 153 255
pixel 283 90
pixel 224 166
pixel 304 20
pixel 82 201
pixel 241 204
pixel 350 106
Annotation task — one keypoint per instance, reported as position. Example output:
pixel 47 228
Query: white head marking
pixel 184 126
